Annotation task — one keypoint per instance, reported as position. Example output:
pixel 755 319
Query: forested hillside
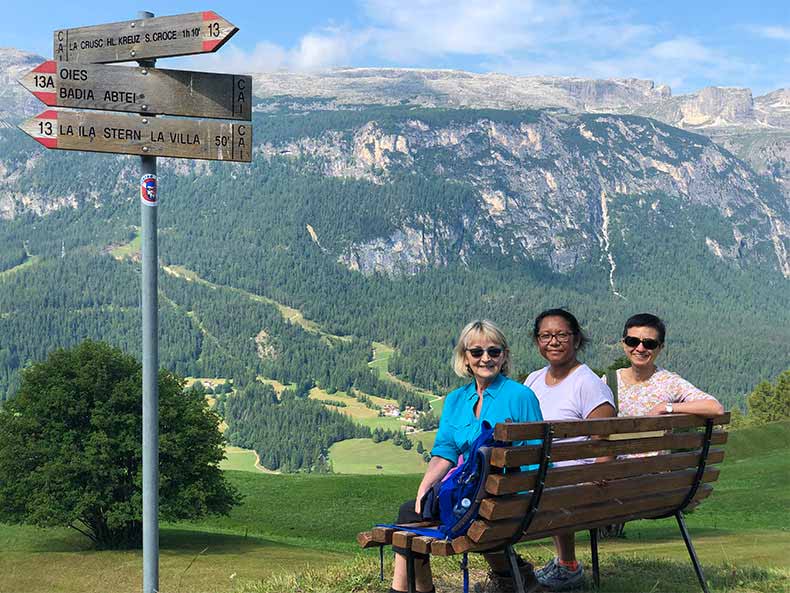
pixel 377 233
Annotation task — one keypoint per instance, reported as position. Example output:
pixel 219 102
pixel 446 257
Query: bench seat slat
pixel 495 509
pixel 422 544
pixel 522 431
pixel 499 484
pixel 383 535
pixel 403 539
pixel 365 540
pixel 576 517
pixel 530 455
pixel 442 547
pixel 464 544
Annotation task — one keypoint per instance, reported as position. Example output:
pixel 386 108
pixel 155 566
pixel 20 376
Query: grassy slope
pixel 239 459
pixel 292 521
pixel 29 262
pixel 362 456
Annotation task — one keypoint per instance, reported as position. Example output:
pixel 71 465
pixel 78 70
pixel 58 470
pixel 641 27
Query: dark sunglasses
pixel 493 352
pixel 648 343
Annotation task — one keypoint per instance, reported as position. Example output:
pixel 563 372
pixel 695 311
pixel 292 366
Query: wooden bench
pixel 530 505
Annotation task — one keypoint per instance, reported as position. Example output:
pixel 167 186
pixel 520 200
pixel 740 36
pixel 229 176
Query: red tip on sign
pixel 48 142
pixel 210 15
pixel 211 45
pixel 48 67
pixel 47 98
pixel 49 114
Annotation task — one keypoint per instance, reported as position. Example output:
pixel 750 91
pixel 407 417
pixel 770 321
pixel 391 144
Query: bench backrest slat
pixel 511 507
pixel 578 517
pixel 530 455
pixel 522 431
pixel 499 484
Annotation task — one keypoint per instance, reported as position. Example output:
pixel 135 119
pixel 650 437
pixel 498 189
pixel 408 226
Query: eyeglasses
pixel 562 337
pixel 477 352
pixel 648 343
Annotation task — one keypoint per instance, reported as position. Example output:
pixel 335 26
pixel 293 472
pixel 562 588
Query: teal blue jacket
pixel 503 400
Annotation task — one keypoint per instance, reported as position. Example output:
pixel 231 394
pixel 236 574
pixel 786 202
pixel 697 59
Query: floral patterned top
pixel 662 386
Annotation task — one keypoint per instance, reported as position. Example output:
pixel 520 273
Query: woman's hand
pixel 418 503
pixel 437 469
pixel 658 410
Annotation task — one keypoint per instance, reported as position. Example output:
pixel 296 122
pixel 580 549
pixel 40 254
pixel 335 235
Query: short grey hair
pixel 487 329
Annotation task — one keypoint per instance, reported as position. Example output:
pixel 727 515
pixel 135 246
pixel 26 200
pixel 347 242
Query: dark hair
pixel 572 321
pixel 646 320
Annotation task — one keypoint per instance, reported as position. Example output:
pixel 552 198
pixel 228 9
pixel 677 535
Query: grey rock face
pixel 544 187
pixel 16 102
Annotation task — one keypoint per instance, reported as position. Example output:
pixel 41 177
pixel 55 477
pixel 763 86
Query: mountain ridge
pixel 394 223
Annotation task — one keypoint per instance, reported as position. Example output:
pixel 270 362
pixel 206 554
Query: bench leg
pixel 512 559
pixel 594 552
pixel 411 574
pixel 692 553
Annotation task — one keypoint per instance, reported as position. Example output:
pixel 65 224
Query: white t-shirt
pixel 572 399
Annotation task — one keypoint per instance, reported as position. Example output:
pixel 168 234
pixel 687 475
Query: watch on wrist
pixel 669 408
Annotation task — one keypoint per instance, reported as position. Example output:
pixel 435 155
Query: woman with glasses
pixel 481 355
pixel 566 390
pixel 645 389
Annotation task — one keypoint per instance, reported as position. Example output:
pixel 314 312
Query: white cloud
pixel 441 27
pixel 321 50
pixel 581 38
pixel 780 33
pixel 682 48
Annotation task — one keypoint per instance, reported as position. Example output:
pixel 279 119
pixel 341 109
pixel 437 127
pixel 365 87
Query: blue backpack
pixel 456 501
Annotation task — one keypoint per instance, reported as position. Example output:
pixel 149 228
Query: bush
pixel 71 448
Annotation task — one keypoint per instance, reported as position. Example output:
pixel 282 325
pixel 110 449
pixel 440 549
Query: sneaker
pixel 556 577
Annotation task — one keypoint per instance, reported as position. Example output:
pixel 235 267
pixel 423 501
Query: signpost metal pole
pixel 150 307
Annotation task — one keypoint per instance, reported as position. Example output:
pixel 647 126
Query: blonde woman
pixel 482 355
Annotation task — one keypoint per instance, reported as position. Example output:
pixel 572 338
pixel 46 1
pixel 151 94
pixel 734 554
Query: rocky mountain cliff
pixel 545 180
pixel 545 183
pixel 757 129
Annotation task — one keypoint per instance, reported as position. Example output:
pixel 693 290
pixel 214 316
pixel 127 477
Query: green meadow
pixel 296 533
pixel 29 262
pixel 363 456
pixel 238 459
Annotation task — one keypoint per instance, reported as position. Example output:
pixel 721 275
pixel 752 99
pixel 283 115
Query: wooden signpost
pixel 73 79
pixel 141 39
pixel 141 90
pixel 154 136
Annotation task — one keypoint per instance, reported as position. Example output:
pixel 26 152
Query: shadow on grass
pixel 661 531
pixel 621 574
pixel 185 540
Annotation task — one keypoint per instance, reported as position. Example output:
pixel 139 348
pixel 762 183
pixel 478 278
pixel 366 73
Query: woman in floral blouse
pixel 645 389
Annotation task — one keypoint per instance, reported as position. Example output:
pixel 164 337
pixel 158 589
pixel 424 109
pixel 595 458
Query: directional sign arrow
pixel 159 37
pixel 130 134
pixel 141 90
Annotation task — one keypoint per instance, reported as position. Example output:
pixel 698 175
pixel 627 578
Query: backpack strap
pixel 465 569
pixel 611 381
pixel 427 532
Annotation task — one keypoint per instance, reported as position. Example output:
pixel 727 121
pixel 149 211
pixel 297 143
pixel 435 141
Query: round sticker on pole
pixel 148 190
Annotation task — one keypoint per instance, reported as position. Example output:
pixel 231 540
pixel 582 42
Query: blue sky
pixel 685 44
